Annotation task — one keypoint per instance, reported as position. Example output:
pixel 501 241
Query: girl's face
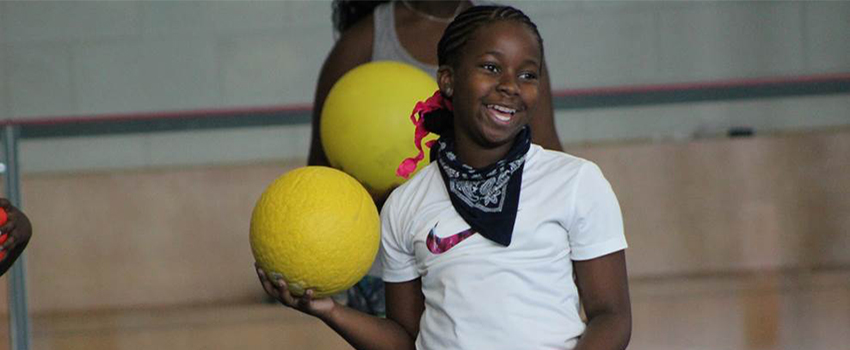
pixel 494 84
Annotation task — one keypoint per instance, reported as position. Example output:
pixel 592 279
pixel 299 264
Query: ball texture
pixel 365 127
pixel 317 228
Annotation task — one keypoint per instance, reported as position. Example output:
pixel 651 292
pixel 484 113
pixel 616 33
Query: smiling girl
pixel 497 243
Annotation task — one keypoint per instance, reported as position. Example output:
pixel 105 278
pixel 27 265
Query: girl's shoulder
pixel 558 165
pixel 424 182
pixel 541 157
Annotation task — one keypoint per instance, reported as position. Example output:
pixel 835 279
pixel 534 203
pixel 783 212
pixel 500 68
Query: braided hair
pixel 456 36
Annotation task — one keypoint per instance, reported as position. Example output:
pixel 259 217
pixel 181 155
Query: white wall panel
pixel 85 153
pixel 40 80
pixel 730 40
pixel 268 70
pixel 223 18
pixel 614 6
pixel 230 146
pixel 5 109
pixel 828 35
pixel 169 18
pixel 150 75
pixel 795 113
pixel 68 20
pixel 244 17
pixel 699 120
pixel 600 48
pixel 184 148
pixel 308 13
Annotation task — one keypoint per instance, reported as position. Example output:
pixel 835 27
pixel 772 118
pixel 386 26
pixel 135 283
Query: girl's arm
pixel 604 291
pixel 353 48
pixel 405 304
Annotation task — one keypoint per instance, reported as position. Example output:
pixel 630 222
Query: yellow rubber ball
pixel 365 126
pixel 317 228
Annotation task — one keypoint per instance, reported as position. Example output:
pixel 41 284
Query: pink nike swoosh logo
pixel 439 245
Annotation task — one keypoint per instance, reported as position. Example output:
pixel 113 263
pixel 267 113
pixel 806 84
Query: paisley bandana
pixel 488 198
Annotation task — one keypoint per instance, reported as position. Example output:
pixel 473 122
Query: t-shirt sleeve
pixel 597 225
pixel 396 252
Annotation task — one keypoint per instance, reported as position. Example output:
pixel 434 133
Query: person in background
pixel 15 234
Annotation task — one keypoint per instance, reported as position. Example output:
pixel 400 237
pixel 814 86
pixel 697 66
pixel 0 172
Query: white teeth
pixel 502 109
pixel 504 119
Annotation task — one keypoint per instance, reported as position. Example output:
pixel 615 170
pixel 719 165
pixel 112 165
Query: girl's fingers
pixel 275 286
pixel 306 299
pixel 267 285
pixel 260 273
pixel 5 204
pixel 287 298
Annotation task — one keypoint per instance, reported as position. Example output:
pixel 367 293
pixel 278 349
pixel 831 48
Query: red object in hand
pixel 3 217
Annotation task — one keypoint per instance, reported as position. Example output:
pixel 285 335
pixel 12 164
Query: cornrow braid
pixel 456 36
pixel 458 33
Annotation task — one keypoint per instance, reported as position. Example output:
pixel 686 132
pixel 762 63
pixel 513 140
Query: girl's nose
pixel 508 85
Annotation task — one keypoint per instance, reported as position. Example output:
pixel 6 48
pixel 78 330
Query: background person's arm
pixel 543 130
pixel 353 48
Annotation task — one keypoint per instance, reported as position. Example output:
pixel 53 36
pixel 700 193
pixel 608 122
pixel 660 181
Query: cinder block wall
pixel 60 58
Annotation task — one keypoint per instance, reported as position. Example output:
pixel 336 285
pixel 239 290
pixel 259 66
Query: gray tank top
pixel 387 47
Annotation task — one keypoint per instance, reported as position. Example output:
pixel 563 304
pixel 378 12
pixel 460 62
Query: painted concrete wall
pixel 88 58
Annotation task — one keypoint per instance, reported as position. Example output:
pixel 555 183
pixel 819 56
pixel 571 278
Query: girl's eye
pixel 490 67
pixel 528 76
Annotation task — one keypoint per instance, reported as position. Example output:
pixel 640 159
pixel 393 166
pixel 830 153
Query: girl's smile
pixel 501 113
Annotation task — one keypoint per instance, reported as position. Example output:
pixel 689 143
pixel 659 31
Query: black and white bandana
pixel 488 198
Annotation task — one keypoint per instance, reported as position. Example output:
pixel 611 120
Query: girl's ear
pixel 445 77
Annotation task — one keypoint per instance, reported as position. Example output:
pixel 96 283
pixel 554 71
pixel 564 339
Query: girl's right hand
pixel 277 288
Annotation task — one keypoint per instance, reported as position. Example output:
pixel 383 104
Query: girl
pixel 493 243
pixel 403 31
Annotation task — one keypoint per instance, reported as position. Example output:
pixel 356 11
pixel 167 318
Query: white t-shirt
pixel 481 295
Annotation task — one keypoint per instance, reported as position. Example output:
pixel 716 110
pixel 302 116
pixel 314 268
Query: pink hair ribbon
pixel 435 102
